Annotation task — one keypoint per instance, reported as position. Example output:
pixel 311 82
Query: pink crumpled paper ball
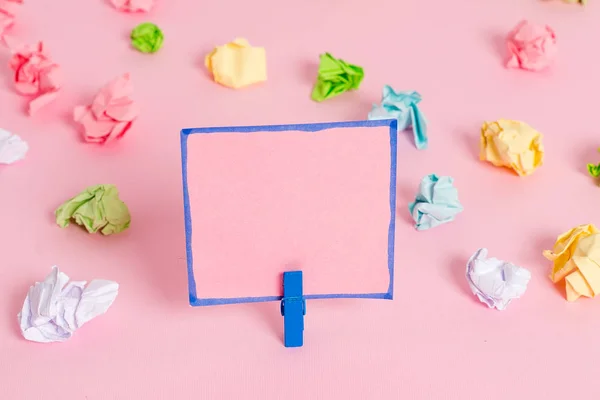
pixel 111 114
pixel 8 10
pixel 6 21
pixel 531 47
pixel 133 5
pixel 35 75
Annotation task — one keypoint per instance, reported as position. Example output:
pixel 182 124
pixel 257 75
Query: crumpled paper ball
pixel 495 282
pixel 133 6
pixel 237 64
pixel 531 47
pixel 8 14
pixel 436 202
pixel 147 38
pixel 55 308
pixel 98 209
pixel 576 257
pixel 12 147
pixel 335 77
pixel 403 107
pixel 6 21
pixel 512 144
pixel 35 74
pixel 111 113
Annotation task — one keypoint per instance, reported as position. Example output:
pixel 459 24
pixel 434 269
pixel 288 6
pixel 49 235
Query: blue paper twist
pixel 402 106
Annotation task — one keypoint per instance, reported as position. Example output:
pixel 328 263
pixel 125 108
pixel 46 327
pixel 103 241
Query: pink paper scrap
pixel 111 114
pixel 133 5
pixel 35 75
pixel 8 10
pixel 531 47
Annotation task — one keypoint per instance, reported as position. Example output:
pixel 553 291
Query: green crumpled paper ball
pixel 594 170
pixel 147 38
pixel 336 76
pixel 97 208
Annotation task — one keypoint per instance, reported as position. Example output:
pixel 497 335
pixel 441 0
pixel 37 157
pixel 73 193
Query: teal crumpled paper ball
pixel 436 202
pixel 402 106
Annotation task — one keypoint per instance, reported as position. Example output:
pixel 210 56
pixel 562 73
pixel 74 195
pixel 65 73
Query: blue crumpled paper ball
pixel 402 106
pixel 436 202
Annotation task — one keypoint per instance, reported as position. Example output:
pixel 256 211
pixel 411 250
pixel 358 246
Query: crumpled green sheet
pixel 147 37
pixel 97 208
pixel 336 76
pixel 594 170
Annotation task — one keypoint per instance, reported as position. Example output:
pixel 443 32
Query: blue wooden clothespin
pixel 293 309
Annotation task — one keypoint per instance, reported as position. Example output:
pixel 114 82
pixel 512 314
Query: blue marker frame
pixel 185 133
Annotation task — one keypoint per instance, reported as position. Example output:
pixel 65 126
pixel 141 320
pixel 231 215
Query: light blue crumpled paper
pixel 402 106
pixel 436 203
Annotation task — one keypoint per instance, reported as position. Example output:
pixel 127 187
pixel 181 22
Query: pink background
pixel 267 202
pixel 434 340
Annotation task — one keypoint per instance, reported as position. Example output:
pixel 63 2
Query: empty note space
pixel 263 203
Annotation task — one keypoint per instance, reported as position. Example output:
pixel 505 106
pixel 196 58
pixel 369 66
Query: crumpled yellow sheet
pixel 512 144
pixel 237 64
pixel 576 257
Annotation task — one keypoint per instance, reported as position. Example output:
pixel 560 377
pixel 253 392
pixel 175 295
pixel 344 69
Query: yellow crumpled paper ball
pixel 237 64
pixel 576 257
pixel 512 144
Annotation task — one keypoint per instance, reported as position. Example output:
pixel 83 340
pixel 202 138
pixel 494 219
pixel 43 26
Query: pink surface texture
pixel 434 340
pixel 267 202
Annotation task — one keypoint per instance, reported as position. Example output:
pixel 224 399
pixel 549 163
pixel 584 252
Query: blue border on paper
pixel 392 124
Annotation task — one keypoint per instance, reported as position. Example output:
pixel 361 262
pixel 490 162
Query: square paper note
pixel 262 200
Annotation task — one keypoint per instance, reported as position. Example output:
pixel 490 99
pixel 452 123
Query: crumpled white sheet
pixel 12 147
pixel 54 309
pixel 496 282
